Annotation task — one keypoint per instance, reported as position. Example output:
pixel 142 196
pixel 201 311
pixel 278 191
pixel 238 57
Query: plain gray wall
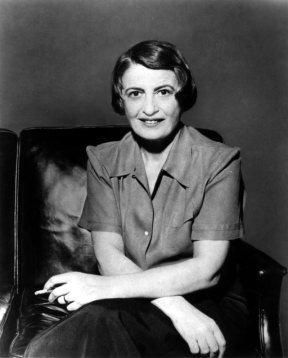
pixel 56 58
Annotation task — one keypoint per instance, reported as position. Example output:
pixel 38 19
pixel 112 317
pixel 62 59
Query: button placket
pixel 146 208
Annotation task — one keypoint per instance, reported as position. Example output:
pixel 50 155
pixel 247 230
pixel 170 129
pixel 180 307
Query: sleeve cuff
pixel 232 234
pixel 94 226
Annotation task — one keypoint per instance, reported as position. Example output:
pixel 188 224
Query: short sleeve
pixel 100 212
pixel 221 214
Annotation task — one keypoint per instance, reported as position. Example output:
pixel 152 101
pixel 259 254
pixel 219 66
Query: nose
pixel 150 106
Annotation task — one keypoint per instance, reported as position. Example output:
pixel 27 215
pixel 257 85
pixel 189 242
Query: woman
pixel 163 205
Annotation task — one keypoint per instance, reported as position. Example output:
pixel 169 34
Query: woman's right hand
pixel 76 289
pixel 200 332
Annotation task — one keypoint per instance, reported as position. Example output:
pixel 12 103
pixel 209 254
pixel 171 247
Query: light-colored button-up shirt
pixel 198 196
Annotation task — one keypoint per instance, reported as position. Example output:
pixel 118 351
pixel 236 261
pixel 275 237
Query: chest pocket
pixel 181 215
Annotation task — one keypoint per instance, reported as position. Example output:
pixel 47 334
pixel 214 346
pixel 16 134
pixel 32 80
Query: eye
pixel 165 92
pixel 134 94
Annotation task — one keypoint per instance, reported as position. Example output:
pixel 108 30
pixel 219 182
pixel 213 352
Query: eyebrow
pixel 155 89
pixel 133 89
pixel 164 86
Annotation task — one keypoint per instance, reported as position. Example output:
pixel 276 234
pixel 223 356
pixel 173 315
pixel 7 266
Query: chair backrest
pixel 8 154
pixel 52 190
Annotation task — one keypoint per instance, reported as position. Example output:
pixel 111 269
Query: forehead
pixel 140 76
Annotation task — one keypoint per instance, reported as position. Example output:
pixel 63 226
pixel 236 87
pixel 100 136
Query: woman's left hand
pixel 76 289
pixel 199 331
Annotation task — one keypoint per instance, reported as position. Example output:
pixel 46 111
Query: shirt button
pixel 146 233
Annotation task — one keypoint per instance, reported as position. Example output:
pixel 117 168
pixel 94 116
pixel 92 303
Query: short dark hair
pixel 156 55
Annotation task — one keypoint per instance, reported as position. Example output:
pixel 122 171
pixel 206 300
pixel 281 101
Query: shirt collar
pixel 179 157
pixel 128 158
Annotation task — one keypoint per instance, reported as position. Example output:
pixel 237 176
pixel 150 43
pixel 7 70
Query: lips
pixel 151 122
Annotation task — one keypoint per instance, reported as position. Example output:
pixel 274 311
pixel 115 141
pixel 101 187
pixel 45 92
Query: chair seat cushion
pixel 36 314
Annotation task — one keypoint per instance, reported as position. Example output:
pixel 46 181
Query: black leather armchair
pixel 8 153
pixel 50 172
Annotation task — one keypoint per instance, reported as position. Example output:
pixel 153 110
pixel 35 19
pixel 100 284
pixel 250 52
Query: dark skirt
pixel 135 328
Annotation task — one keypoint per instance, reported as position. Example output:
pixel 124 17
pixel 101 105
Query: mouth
pixel 151 122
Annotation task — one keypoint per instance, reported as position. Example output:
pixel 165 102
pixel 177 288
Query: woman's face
pixel 149 101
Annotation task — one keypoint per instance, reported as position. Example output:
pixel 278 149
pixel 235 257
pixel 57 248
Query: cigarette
pixel 42 292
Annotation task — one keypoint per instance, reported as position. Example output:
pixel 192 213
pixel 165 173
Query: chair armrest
pixel 261 277
pixel 7 298
pixel 261 264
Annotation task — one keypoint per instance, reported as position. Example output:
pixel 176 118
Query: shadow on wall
pixel 56 62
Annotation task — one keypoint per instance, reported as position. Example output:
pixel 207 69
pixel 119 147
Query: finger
pixel 57 292
pixel 214 354
pixel 212 344
pixel 203 346
pixel 220 340
pixel 73 306
pixel 62 300
pixel 193 345
pixel 221 354
pixel 61 290
pixel 69 298
pixel 55 280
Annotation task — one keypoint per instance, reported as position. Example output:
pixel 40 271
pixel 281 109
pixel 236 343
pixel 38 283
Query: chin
pixel 152 135
pixel 154 140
